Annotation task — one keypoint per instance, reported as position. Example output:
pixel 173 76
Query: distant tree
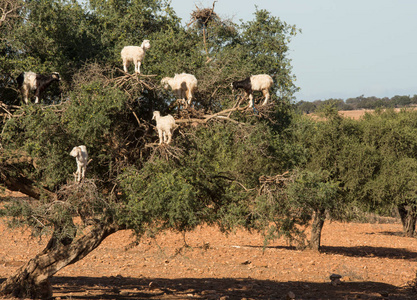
pixel 414 99
pixel 401 101
pixel 393 135
pixel 324 151
pixel 315 190
pixel 306 106
pixel 315 193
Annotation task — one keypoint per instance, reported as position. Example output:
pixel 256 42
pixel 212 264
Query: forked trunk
pixel 408 216
pixel 32 279
pixel 316 228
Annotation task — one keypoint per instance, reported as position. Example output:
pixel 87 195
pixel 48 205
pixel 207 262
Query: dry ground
pixel 357 114
pixel 374 260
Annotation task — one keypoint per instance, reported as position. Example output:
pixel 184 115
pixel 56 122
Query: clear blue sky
pixel 346 48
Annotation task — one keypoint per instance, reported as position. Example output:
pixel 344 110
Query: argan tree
pixel 315 190
pixel 208 175
pixel 392 136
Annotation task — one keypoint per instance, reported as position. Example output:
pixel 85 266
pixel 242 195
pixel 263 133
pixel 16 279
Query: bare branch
pixel 8 10
pixel 224 115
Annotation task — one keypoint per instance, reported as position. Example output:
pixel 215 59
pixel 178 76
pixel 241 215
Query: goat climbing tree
pixel 208 175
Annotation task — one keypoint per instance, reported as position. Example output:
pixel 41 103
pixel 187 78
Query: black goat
pixel 28 81
pixel 261 82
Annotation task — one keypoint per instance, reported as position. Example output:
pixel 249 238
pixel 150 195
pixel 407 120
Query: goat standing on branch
pixel 261 82
pixel 81 156
pixel 183 85
pixel 134 54
pixel 29 81
pixel 165 126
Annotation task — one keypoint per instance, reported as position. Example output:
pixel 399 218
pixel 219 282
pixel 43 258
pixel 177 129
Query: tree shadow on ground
pixel 125 288
pixel 392 233
pixel 368 251
pixel 359 251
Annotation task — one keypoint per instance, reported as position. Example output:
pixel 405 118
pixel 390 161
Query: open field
pixel 354 114
pixel 374 260
pixel 357 114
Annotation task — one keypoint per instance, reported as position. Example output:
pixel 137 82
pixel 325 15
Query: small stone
pixel 290 295
pixel 384 293
pixel 335 279
pixel 246 262
pixel 335 276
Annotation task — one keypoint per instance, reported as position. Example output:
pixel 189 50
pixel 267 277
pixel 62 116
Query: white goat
pixel 183 85
pixel 165 125
pixel 135 54
pixel 81 156
pixel 261 82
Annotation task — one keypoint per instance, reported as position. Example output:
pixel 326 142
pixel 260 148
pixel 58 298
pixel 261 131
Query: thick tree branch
pixel 14 181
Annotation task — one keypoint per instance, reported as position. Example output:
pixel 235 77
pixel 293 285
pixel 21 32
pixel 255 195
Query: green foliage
pixel 313 191
pixel 211 172
pixel 93 111
pixel 266 42
pixel 392 136
pixel 122 23
pixel 209 183
pixel 41 136
pixel 209 175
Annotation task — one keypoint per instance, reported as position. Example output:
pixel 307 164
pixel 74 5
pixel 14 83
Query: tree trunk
pixel 32 279
pixel 408 216
pixel 316 227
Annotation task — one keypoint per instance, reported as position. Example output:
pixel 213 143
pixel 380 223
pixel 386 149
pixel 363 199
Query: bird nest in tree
pixel 205 15
pixel 279 179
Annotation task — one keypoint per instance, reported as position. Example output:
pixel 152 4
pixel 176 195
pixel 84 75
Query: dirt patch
pixel 374 260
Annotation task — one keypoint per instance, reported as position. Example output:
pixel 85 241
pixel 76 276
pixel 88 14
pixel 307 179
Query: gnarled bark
pixel 408 214
pixel 316 228
pixel 32 279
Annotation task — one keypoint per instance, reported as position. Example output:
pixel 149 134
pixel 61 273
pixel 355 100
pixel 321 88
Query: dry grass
pixel 359 113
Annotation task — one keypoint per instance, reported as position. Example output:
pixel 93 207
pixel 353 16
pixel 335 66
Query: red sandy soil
pixel 375 261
